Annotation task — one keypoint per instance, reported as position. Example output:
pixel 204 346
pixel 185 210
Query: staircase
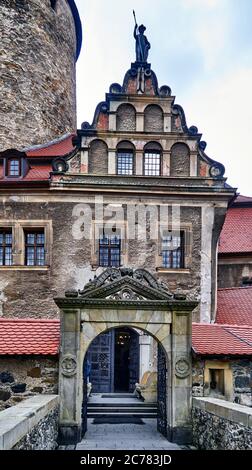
pixel 127 408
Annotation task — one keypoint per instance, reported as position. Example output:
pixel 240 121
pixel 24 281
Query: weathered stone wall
pixel 31 425
pixel 71 262
pixel 37 61
pixel 98 158
pixel 242 381
pixel 126 118
pixel 231 274
pixel 153 119
pixel 180 160
pixel 198 377
pixel 43 436
pixel 221 425
pixel 22 377
pixel 240 390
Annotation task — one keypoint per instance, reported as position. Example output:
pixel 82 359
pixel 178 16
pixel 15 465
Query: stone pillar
pixel 112 121
pixel 146 347
pixel 167 122
pixel 70 377
pixel 140 122
pixel 193 164
pixel 84 160
pixel 179 419
pixel 111 162
pixel 139 162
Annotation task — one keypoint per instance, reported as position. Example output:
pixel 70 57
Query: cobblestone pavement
pixel 124 436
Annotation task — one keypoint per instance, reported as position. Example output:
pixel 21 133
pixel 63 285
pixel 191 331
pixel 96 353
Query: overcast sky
pixel 202 49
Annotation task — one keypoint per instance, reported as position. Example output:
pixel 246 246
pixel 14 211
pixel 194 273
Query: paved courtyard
pixel 125 436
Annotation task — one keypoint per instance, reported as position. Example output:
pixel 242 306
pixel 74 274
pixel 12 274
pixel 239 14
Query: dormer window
pixel 14 167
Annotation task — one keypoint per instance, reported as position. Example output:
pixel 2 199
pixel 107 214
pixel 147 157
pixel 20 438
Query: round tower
pixel 40 43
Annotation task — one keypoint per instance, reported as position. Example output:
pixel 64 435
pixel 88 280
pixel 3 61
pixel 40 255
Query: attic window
pixel 14 167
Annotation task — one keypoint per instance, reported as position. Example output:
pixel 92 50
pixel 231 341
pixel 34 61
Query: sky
pixel 202 49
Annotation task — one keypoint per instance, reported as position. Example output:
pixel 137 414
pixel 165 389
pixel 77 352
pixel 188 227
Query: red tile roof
pixel 236 235
pixel 216 339
pixel 29 337
pixel 38 173
pixel 234 306
pixel 59 147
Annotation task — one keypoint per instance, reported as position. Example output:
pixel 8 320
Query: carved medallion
pixel 69 365
pixel 182 367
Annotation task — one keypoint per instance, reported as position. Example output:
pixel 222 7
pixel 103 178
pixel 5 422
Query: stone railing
pixel 30 425
pixel 221 425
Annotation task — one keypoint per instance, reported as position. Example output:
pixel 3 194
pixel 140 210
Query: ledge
pixel 233 412
pixel 24 268
pixel 19 420
pixel 173 271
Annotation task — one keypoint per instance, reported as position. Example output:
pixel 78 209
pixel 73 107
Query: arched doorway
pixel 126 298
pixel 113 358
pixel 114 355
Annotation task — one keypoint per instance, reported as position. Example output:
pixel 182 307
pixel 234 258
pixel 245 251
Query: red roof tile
pixel 234 306
pixel 29 337
pixel 38 173
pixel 56 148
pixel 216 339
pixel 236 235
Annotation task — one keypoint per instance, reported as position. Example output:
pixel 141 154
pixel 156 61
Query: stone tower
pixel 40 43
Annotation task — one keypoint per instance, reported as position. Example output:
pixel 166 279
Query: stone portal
pixel 126 298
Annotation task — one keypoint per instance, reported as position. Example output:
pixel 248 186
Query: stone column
pixel 179 425
pixel 84 160
pixel 139 122
pixel 112 162
pixel 70 377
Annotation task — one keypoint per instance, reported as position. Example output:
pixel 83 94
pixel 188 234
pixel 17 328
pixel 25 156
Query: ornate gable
pixel 125 284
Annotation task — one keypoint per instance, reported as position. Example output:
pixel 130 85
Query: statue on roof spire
pixel 142 43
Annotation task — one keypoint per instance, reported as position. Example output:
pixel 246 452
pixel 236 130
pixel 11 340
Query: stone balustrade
pixel 221 425
pixel 30 425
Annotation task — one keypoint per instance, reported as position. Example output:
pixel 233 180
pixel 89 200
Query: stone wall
pixel 242 381
pixel 37 61
pixel 153 119
pixel 31 425
pixel 231 274
pixel 221 425
pixel 126 118
pixel 72 259
pixel 180 160
pixel 22 377
pixel 98 158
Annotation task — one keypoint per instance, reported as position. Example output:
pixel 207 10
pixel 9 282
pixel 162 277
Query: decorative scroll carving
pixel 69 365
pixel 182 367
pixel 126 294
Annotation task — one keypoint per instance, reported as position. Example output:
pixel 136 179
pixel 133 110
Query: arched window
pixel 13 167
pixel 98 158
pixel 152 159
pixel 126 118
pixel 153 119
pixel 180 160
pixel 125 158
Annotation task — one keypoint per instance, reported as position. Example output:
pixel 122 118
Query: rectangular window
pixel 35 248
pixel 217 381
pixel 173 250
pixel 152 163
pixel 125 163
pixel 109 250
pixel 14 168
pixel 5 248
